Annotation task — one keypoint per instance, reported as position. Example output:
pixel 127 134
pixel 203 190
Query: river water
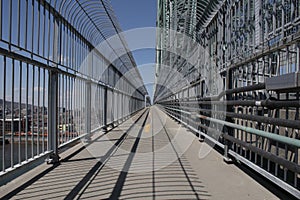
pixel 16 147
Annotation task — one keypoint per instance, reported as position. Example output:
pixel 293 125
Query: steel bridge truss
pixel 252 47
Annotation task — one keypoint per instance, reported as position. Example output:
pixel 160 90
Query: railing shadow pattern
pixel 117 175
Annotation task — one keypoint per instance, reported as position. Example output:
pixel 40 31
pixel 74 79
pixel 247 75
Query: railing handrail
pixel 272 136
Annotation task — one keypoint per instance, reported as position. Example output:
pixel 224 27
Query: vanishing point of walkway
pixel 149 156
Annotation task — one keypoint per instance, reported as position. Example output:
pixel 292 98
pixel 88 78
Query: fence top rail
pixel 279 138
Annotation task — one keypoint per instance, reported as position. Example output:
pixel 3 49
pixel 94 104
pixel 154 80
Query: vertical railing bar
pixel 69 108
pixel 76 55
pixel 39 23
pixel 38 111
pixel 63 94
pixel 277 132
pixel 59 96
pixel 101 104
pixel 111 96
pixel 20 108
pixel 27 121
pixel 262 126
pixel 120 107
pixel 49 35
pixel 75 105
pixel 48 111
pixel 298 57
pixel 60 36
pixel 295 173
pixel 19 20
pixel 70 49
pixel 61 43
pixel 83 99
pixel 78 99
pixel 67 47
pixel 66 91
pixel 277 153
pixel 117 107
pixel 61 109
pixel 269 148
pixel 32 111
pixel 68 105
pixel 72 105
pixel 288 65
pixel 74 101
pixel 80 53
pixel 296 160
pixel 60 106
pixel 73 50
pixel 55 39
pixel 10 25
pixel 43 110
pixel 12 106
pixel 111 110
pixel 32 28
pixel 65 106
pixel 287 135
pixel 243 93
pixel 251 135
pixel 44 31
pixel 81 106
pixel 26 24
pixel 257 125
pixel 88 88
pixel 4 114
pixel 101 99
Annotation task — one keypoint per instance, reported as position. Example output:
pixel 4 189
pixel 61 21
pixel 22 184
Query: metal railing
pixel 262 134
pixel 49 95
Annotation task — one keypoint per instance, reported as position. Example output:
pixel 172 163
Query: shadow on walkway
pixel 118 175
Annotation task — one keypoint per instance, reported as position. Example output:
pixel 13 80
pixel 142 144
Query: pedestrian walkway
pixel 149 156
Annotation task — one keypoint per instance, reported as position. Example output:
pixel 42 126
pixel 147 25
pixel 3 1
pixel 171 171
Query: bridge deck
pixel 147 157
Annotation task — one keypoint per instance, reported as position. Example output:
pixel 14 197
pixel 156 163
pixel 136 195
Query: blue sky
pixel 134 14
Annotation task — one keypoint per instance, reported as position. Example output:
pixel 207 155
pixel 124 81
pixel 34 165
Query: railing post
pixel 112 115
pixel 228 130
pixel 105 110
pixel 52 117
pixel 88 106
pixel 53 100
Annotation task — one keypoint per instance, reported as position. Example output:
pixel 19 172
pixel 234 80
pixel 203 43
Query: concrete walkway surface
pixel 149 156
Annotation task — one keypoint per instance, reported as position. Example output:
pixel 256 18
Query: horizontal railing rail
pixel 260 133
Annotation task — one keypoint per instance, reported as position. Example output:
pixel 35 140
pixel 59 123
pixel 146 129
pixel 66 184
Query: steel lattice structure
pixel 237 66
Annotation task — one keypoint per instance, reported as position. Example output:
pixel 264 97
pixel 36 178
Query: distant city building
pixel 12 125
